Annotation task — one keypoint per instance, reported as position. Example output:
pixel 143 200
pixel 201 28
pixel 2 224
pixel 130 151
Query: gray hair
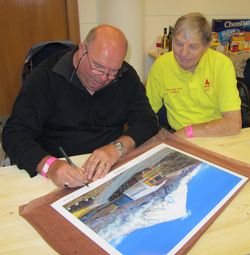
pixel 194 22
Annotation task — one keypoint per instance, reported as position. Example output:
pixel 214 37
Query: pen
pixel 69 160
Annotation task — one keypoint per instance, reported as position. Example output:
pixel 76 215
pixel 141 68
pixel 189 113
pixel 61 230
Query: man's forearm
pixel 229 124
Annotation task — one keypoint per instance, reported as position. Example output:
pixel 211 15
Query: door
pixel 24 23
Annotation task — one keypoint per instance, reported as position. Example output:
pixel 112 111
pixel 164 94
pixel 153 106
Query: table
pixel 17 236
pixel 229 234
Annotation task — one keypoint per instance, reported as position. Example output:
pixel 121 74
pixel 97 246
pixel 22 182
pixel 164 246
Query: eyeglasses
pixel 100 70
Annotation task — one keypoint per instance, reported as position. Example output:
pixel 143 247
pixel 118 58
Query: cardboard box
pixel 240 42
pixel 226 27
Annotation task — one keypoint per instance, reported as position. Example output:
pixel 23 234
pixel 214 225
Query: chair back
pixel 42 51
pixel 163 120
pixel 247 73
pixel 245 103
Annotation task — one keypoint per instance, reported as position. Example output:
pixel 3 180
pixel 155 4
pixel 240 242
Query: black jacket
pixel 51 111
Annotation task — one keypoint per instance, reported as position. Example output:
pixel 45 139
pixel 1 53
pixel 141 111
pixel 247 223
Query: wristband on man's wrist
pixel 47 164
pixel 189 131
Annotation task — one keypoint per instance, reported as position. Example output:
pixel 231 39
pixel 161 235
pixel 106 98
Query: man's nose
pixel 104 77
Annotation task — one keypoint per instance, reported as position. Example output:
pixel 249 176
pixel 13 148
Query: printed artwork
pixel 153 204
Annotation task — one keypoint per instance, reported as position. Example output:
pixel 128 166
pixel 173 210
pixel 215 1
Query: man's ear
pixel 82 49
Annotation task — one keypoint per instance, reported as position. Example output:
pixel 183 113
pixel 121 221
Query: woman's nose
pixel 185 51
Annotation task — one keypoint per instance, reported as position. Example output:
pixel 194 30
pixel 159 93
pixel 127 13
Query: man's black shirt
pixel 54 109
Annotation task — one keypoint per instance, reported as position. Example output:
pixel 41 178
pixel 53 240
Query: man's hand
pixel 100 162
pixel 62 174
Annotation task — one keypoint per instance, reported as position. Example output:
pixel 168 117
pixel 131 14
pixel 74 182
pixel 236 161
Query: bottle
pixel 158 45
pixel 170 38
pixel 164 43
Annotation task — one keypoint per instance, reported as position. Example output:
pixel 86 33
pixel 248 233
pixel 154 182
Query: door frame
pixel 73 20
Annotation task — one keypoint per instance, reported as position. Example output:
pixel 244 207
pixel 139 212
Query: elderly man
pixel 196 84
pixel 81 100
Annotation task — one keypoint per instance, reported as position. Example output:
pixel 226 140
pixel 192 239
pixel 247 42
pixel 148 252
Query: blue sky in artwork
pixel 205 190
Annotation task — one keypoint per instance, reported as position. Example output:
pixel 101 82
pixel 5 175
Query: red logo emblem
pixel 207 84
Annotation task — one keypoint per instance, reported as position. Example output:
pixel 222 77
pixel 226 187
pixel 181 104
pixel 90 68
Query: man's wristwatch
pixel 120 147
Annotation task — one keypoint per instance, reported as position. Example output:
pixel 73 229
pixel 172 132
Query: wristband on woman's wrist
pixel 189 131
pixel 47 164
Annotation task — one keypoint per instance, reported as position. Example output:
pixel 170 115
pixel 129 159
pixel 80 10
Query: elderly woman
pixel 196 84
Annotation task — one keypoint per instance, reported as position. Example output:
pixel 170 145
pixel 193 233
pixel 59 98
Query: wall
pixel 164 13
pixel 127 15
pixel 87 16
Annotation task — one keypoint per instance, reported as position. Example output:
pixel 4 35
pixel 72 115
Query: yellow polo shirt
pixel 192 98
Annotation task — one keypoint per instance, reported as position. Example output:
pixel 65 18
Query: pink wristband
pixel 189 131
pixel 47 164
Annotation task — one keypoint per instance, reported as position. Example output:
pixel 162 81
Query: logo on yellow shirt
pixel 207 84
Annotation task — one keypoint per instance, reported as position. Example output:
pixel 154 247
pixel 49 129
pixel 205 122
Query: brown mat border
pixel 66 239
